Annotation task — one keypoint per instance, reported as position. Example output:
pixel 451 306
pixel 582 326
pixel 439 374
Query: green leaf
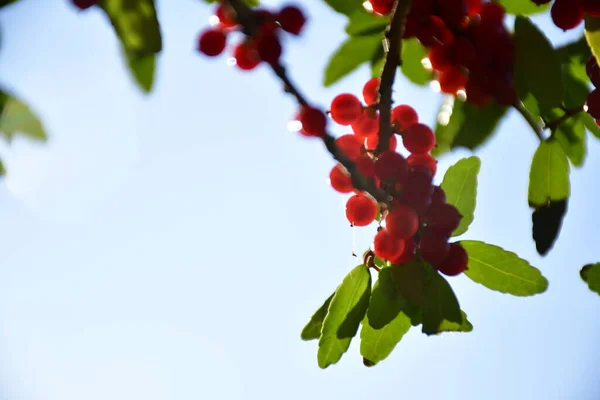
pixel 469 126
pixel 449 326
pixel 460 186
pixel 591 275
pixel 547 221
pixel 2 169
pixel 138 29
pixel 17 118
pixel 572 138
pixel 590 124
pixel 501 270
pixel 520 7
pixel 351 54
pixel 346 7
pixel 439 304
pixel 362 22
pixel 7 2
pixel 549 174
pixel 346 311
pixel 412 67
pixel 576 85
pixel 385 323
pixel 410 280
pixel 536 65
pixel 592 35
pixel 377 63
pixel 312 330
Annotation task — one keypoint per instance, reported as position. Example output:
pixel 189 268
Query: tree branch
pixel 393 58
pixel 535 125
pixel 569 112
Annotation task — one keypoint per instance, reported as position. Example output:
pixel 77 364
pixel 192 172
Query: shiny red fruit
pixel 361 210
pixel 455 262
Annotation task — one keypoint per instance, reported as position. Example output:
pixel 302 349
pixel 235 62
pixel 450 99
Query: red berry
pixel 461 52
pixel 442 219
pixel 346 109
pixel 476 94
pixel 418 139
pixel 453 12
pixel 246 55
pixel 292 19
pixel 391 166
pixel 361 210
pixel 591 7
pixel 269 48
pixel 593 103
pixel 373 141
pixel 402 222
pixel 423 160
pixel 566 14
pixel 84 4
pixel 439 57
pixel 438 196
pixel 366 166
pixel 473 7
pixel 340 179
pixel 410 247
pixel 386 246
pixel 370 91
pixel 593 71
pixel 417 190
pixel 351 145
pixel 493 13
pixel 404 116
pixel 434 248
pixel 212 42
pixel 382 7
pixel 455 262
pixel 452 80
pixel 433 30
pixel 367 124
pixel 226 16
pixel 313 121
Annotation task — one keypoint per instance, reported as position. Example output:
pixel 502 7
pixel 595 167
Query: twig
pixel 249 21
pixel 393 58
pixel 569 112
pixel 535 125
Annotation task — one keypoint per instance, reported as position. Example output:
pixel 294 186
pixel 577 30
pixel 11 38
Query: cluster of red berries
pixel 265 45
pixel 568 14
pixel 84 4
pixel 418 221
pixel 593 99
pixel 469 47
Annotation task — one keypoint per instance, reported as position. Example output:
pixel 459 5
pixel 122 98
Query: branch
pixel 250 23
pixel 569 112
pixel 393 58
pixel 535 125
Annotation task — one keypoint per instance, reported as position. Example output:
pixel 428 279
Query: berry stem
pixel 531 120
pixel 569 112
pixel 393 59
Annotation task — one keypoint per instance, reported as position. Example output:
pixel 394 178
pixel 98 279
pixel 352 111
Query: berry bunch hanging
pixel 593 99
pixel 569 14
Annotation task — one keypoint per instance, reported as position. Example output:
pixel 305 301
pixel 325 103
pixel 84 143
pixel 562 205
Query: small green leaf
pixel 576 85
pixel 460 187
pixel 385 323
pixel 17 118
pixel 590 124
pixel 362 22
pixel 572 138
pixel 412 67
pixel 469 126
pixel 592 35
pixel 351 54
pixel 312 330
pixel 2 169
pixel 142 67
pixel 536 64
pixel 410 280
pixel 547 221
pixel 346 311
pixel 501 270
pixel 439 304
pixel 346 7
pixel 465 326
pixel 549 174
pixel 591 275
pixel 520 7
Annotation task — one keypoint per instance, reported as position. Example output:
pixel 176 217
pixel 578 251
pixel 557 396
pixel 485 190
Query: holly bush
pixel 463 49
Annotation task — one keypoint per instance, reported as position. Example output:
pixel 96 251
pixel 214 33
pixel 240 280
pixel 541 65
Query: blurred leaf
pixel 547 221
pixel 521 7
pixel 590 124
pixel 469 126
pixel 4 3
pixel 346 311
pixel 143 70
pixel 385 323
pixel 576 85
pixel 465 326
pixel 350 55
pixel 362 22
pixel 577 52
pixel 377 63
pixel 501 270
pixel 549 174
pixel 592 35
pixel 439 304
pixel 537 64
pixel 312 330
pixel 460 186
pixel 410 280
pixel 572 138
pixel 412 67
pixel 17 118
pixel 347 7
pixel 2 169
pixel 591 275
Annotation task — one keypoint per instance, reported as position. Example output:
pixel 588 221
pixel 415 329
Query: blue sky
pixel 173 246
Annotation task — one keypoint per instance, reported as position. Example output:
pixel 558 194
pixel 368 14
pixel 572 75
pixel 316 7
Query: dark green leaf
pixel 351 54
pixel 312 330
pixel 549 174
pixel 412 67
pixel 347 7
pixel 17 118
pixel 439 304
pixel 2 169
pixel 592 35
pixel 460 186
pixel 547 221
pixel 501 270
pixel 142 68
pixel 346 311
pixel 385 323
pixel 536 65
pixel 377 63
pixel 410 280
pixel 591 275
pixel 362 22
pixel 7 2
pixel 469 126
pixel 520 7
pixel 590 124
pixel 465 326
pixel 572 138
pixel 576 85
